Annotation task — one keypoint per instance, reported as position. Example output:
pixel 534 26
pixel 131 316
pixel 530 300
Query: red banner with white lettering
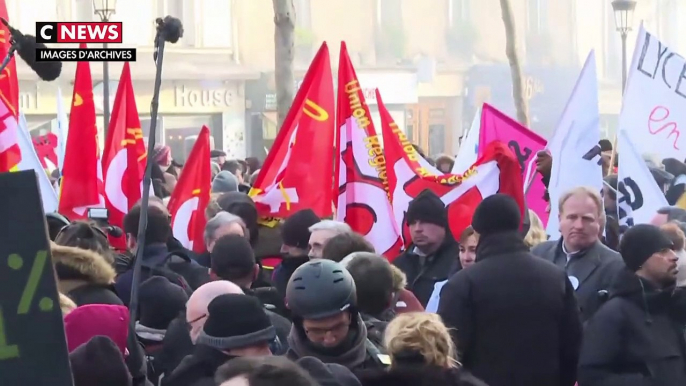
pixel 496 171
pixel 361 175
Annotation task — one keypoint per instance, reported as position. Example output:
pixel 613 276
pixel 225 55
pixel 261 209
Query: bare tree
pixel 284 39
pixel 515 65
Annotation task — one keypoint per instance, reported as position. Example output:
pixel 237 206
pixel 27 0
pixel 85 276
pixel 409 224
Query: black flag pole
pixel 169 30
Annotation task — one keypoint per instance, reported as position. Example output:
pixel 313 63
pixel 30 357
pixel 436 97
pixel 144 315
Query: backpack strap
pixel 379 358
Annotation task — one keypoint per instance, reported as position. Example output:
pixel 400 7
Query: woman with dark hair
pixel 83 235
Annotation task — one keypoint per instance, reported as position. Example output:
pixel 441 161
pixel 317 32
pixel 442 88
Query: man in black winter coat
pixel 433 255
pixel 637 336
pixel 515 317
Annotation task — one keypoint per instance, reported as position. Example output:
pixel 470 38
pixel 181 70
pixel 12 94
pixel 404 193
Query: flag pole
pixel 170 30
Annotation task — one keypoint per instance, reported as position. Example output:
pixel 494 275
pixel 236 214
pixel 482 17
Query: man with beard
pixel 637 336
pixel 326 323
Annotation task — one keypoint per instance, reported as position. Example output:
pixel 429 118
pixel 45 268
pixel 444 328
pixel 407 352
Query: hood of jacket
pixel 81 265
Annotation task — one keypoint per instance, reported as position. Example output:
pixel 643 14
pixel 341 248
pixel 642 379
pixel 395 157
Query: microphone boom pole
pixel 170 30
pixel 10 54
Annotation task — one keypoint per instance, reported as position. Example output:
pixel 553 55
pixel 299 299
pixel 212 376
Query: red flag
pixel 10 154
pixel 361 176
pixel 124 157
pixel 296 173
pixel 496 171
pixel 46 150
pixel 191 196
pixel 80 186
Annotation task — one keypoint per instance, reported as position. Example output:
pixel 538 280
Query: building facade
pixel 203 80
pixel 597 30
pixel 434 62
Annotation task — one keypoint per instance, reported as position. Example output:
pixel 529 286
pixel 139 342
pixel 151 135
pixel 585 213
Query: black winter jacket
pixel 636 338
pixel 515 317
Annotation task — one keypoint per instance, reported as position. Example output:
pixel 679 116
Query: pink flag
pixel 524 143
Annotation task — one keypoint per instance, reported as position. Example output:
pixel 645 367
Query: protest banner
pixel 524 143
pixel 574 145
pixel 654 107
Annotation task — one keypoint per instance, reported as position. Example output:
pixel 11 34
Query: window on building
pixel 459 11
pixel 82 10
pixel 389 13
pixel 537 16
pixel 673 31
pixel 390 34
pixel 216 23
pixel 303 13
pixel 613 46
pixel 138 19
pixel 186 12
pixel 28 12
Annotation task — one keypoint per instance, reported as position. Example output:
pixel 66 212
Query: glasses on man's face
pixel 318 333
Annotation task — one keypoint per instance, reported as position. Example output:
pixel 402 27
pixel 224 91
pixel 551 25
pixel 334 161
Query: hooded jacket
pixel 636 338
pixel 84 276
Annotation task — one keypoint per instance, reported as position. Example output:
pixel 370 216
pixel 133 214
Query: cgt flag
pixel 496 171
pixel 361 175
pixel 296 171
pixel 124 157
pixel 81 184
pixel 191 196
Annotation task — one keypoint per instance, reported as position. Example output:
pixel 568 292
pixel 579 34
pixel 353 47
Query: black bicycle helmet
pixel 319 289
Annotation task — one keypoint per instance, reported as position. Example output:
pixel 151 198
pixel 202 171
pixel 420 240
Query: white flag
pixel 469 151
pixel 30 161
pixel 574 145
pixel 654 107
pixel 639 196
pixel 62 129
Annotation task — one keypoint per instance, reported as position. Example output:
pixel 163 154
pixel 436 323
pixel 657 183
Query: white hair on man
pixel 322 232
pixel 336 227
pixel 224 221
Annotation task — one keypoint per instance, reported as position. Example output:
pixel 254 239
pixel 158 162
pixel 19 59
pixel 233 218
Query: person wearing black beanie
pixel 236 326
pixel 433 254
pixel 99 362
pixel 513 316
pixel 641 325
pixel 295 233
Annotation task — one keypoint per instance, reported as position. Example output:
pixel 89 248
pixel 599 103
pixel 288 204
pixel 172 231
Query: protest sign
pixel 574 145
pixel 524 143
pixel 654 107
pixel 33 348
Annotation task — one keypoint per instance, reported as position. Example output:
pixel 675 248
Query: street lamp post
pixel 624 21
pixel 105 9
